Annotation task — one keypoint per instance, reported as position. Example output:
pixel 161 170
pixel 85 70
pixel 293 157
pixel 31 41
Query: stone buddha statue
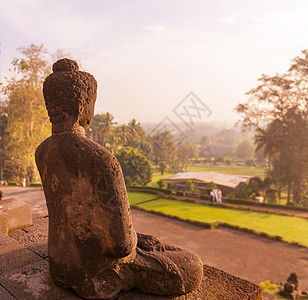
pixel 92 245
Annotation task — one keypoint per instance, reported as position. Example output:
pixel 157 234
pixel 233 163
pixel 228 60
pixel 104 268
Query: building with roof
pixel 227 183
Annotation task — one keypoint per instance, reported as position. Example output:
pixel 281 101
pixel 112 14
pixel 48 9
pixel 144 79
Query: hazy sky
pixel 148 55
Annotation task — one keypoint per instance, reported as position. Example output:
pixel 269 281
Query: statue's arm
pixel 40 158
pixel 112 196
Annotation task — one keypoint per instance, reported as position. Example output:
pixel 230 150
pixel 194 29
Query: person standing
pixel 212 195
pixel 219 196
pixel 24 180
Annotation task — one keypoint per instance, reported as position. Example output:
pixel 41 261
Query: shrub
pixel 161 183
pixel 12 182
pixel 204 197
pixel 35 184
pixel 290 203
pixel 179 193
pixel 212 185
pixel 270 196
pixel 189 186
pixel 167 191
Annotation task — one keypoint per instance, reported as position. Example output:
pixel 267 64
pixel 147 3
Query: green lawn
pixel 156 176
pixel 290 229
pixel 139 197
pixel 232 170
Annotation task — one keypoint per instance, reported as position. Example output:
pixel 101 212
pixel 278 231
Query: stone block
pixel 3 222
pixel 19 214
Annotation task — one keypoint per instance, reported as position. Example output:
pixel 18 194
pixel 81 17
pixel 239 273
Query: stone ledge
pixel 33 282
pixel 19 214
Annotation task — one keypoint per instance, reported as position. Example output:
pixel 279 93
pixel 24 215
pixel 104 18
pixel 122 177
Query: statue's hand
pixel 149 243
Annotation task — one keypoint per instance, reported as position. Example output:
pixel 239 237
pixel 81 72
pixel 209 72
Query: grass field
pixel 232 170
pixel 139 197
pixel 156 176
pixel 289 229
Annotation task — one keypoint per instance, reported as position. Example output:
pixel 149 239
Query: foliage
pixel 212 185
pixel 242 191
pixel 271 196
pixel 164 147
pixel 245 150
pixel 189 186
pixel 27 120
pixel 204 197
pixel 277 111
pixel 272 288
pixel 161 184
pixel 162 167
pixel 136 168
pixel 144 147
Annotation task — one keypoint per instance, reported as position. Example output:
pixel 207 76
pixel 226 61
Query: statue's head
pixel 70 94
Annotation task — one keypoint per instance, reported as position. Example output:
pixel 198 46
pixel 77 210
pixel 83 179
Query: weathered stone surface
pixel 34 237
pixel 3 222
pixel 216 284
pixel 18 213
pixel 14 255
pixel 92 245
pixel 33 282
pixel 5 295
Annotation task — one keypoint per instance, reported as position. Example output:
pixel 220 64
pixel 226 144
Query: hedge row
pixel 149 188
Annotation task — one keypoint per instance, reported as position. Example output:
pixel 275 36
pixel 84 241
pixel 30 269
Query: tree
pixel 193 151
pixel 123 132
pixel 144 147
pixel 245 150
pixel 277 110
pixel 183 154
pixel 27 120
pixel 163 147
pixel 136 168
pixel 205 141
pixel 106 126
pixel 135 129
pixel 162 167
pixel 161 184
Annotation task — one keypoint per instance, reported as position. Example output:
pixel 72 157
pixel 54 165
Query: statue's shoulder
pixel 101 155
pixel 41 149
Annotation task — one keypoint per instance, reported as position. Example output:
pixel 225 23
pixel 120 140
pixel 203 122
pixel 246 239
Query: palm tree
pixel 106 126
pixel 123 133
pixel 135 129
pixel 270 139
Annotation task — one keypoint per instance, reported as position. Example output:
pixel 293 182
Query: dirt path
pixel 245 255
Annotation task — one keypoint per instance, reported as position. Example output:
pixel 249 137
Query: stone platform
pixel 24 274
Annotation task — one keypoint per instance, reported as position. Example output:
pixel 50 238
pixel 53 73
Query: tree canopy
pixel 136 168
pixel 27 120
pixel 277 111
